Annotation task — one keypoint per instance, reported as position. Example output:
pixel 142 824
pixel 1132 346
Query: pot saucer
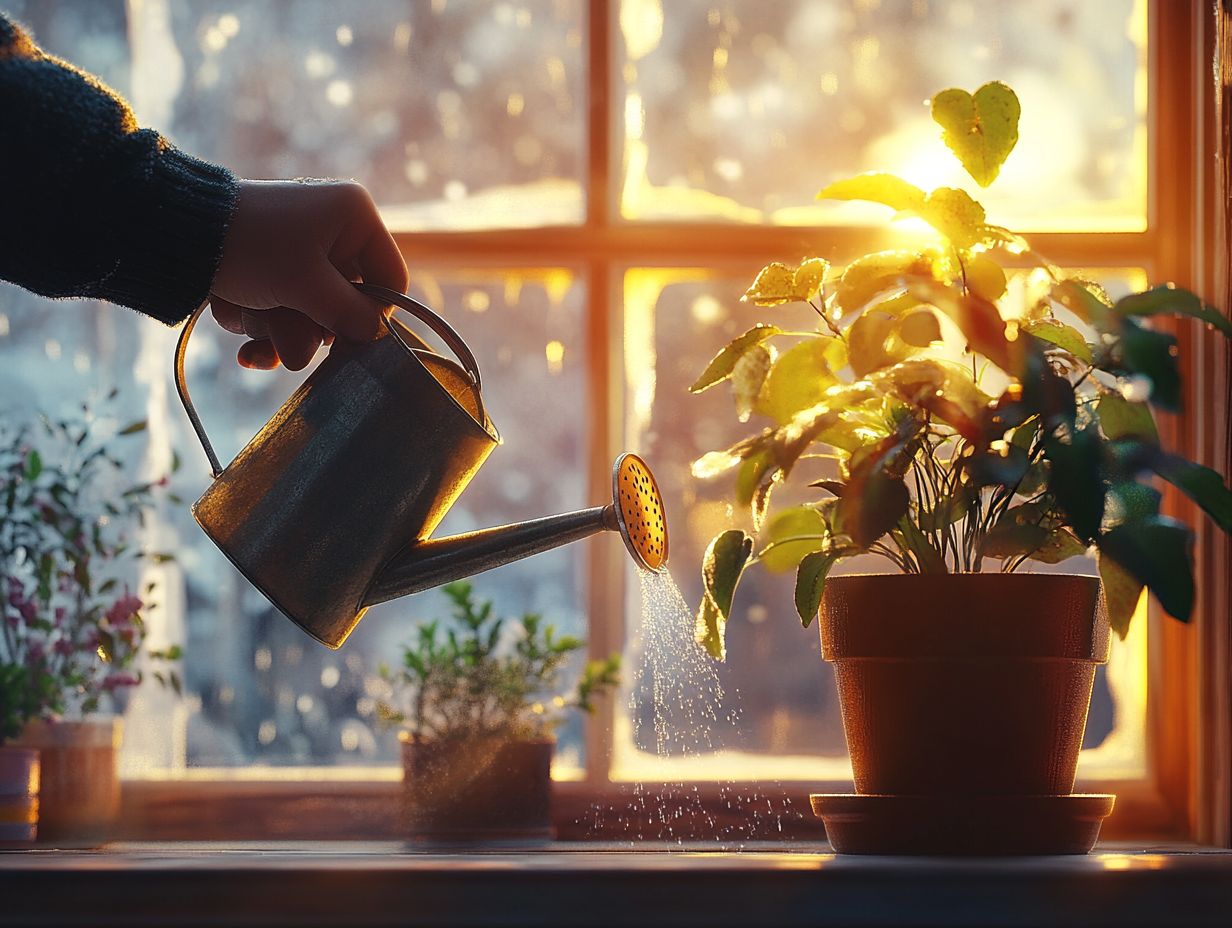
pixel 962 825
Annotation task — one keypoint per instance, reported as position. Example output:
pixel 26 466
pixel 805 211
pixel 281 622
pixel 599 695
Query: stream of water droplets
pixel 692 715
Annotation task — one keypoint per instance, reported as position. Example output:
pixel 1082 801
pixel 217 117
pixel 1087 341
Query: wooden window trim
pixel 1185 793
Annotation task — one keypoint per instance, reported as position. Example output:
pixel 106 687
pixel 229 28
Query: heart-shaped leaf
pixel 1119 418
pixel 811 583
pixel 1074 480
pixel 722 565
pixel 955 215
pixel 1158 552
pixel 800 378
pixel 877 273
pixel 777 283
pixel 1122 591
pixel 747 379
pixel 723 363
pixel 1152 355
pixel 805 525
pixel 1171 300
pixel 982 129
pixel 1201 484
pixel 1062 336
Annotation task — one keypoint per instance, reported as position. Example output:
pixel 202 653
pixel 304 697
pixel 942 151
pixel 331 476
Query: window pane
pixel 790 727
pixel 743 110
pixel 455 115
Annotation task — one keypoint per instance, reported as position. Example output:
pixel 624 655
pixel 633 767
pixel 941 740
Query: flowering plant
pixel 71 626
pixel 965 418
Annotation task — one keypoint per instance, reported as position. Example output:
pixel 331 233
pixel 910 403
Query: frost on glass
pixel 743 110
pixel 789 727
pixel 455 115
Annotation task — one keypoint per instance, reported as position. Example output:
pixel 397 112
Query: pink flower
pixel 117 680
pixel 36 653
pixel 60 613
pixel 63 647
pixel 124 609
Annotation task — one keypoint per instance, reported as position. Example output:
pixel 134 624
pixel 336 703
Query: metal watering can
pixel 329 509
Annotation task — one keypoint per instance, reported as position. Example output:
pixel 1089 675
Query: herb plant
pixel 968 419
pixel 461 680
pixel 71 627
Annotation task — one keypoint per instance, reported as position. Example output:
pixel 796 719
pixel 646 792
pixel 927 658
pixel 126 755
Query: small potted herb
pixel 72 627
pixel 478 698
pixel 968 425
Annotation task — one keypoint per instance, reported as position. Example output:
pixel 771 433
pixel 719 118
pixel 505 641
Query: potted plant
pixel 24 694
pixel 478 698
pixel 72 628
pixel 967 424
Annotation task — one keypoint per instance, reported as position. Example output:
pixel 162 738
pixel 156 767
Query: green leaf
pixel 1158 552
pixel 874 274
pixel 1122 591
pixel 981 129
pixel 747 379
pixel 1119 418
pixel 749 477
pixel 133 428
pixel 811 583
pixel 1060 546
pixel 1171 300
pixel 915 541
pixel 1074 480
pixel 920 328
pixel 1153 355
pixel 777 283
pixel 804 522
pixel 1009 538
pixel 1201 484
pixel 876 187
pixel 998 468
pixel 722 565
pixel 800 378
pixel 955 215
pixel 1062 336
pixel 723 363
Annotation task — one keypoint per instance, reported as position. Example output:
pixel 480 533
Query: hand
pixel 287 262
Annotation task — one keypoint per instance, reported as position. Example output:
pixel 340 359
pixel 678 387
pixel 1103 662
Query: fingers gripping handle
pixel 383 295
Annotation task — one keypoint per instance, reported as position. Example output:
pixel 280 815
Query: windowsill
pixel 367 810
pixel 377 883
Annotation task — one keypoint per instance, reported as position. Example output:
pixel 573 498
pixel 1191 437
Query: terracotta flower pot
pixel 80 795
pixel 971 684
pixel 478 789
pixel 19 789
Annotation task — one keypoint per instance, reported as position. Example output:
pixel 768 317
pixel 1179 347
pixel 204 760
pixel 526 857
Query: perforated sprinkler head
pixel 639 512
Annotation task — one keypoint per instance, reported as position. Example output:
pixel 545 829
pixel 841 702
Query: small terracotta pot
pixel 478 789
pixel 80 795
pixel 974 684
pixel 19 790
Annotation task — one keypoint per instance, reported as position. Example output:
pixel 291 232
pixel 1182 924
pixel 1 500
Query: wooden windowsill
pixel 366 810
pixel 385 883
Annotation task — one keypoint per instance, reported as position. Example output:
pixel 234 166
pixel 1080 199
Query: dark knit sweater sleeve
pixel 91 205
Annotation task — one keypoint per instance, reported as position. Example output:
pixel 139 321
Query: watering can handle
pixel 383 294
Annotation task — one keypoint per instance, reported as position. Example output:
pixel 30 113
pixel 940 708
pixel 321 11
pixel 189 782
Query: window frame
pixel 1187 716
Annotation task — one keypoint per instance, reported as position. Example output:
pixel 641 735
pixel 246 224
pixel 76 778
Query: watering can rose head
pixel 968 421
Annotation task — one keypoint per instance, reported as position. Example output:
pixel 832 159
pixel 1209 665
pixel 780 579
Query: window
pixel 584 189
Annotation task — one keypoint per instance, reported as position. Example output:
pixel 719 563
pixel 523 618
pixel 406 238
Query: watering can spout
pixel 636 512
